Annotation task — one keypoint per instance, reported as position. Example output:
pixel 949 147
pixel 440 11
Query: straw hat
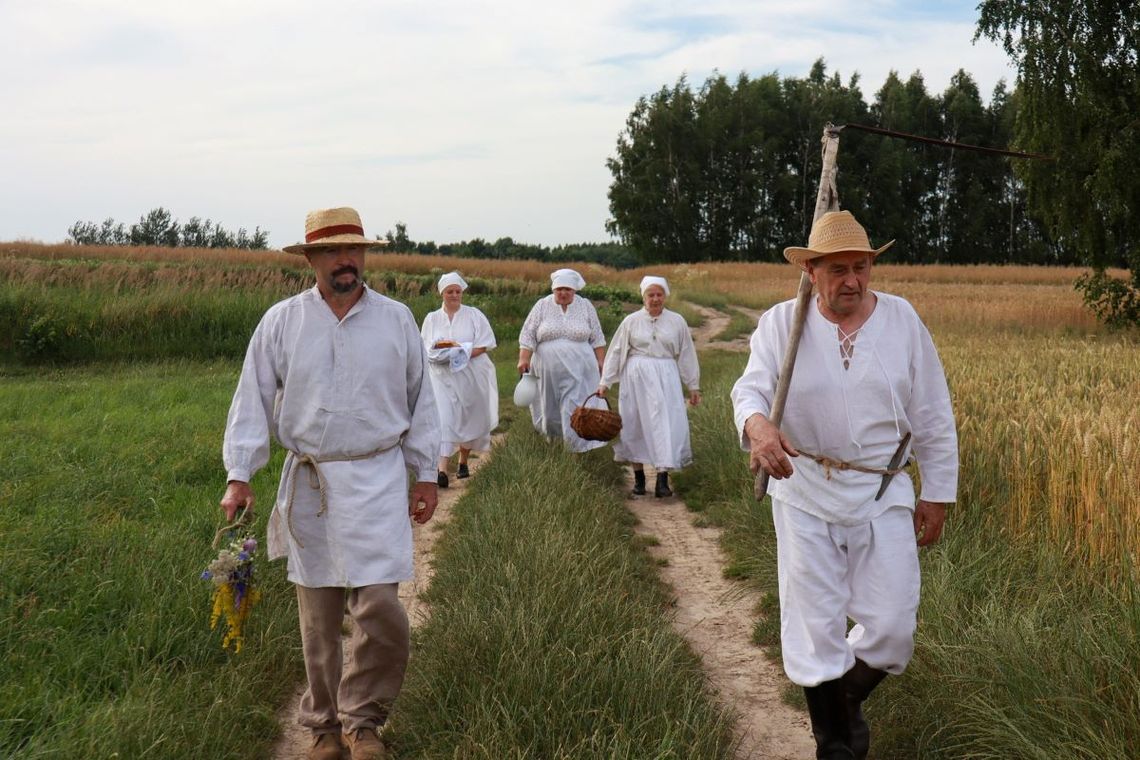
pixel 834 232
pixel 330 227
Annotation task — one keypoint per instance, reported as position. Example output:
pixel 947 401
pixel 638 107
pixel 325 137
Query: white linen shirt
pixel 895 385
pixel 665 336
pixel 337 389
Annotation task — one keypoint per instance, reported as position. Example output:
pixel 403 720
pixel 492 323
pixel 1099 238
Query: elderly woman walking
pixel 562 343
pixel 457 339
pixel 652 354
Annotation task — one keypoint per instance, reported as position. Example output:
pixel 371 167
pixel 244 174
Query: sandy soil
pixel 294 741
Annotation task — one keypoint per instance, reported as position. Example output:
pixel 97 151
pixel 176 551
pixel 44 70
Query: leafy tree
pixel 1078 99
pixel 156 227
pixel 901 175
pixel 657 189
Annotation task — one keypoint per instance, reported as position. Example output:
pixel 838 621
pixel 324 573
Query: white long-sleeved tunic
pixel 467 398
pixel 334 390
pixel 895 385
pixel 564 364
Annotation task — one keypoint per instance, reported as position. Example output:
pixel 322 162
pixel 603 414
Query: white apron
pixel 567 374
pixel 468 404
pixel 654 423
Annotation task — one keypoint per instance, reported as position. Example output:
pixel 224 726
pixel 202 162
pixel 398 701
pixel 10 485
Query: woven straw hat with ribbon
pixel 332 227
pixel 834 232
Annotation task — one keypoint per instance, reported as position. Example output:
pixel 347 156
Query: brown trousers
pixel 378 656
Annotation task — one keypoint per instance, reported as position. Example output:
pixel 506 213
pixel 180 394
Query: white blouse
pixel 547 321
pixel 469 325
pixel 666 336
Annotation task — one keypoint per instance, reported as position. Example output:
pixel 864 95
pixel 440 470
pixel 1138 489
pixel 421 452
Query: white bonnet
pixel 452 278
pixel 649 280
pixel 566 278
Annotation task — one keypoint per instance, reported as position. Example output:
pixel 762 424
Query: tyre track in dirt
pixel 293 744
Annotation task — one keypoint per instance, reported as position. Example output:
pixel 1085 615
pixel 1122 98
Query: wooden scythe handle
pixel 826 200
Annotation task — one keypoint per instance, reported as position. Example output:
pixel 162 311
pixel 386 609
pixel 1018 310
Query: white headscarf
pixel 649 280
pixel 566 278
pixel 452 278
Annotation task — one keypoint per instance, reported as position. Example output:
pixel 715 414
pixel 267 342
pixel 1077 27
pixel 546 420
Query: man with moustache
pixel 847 524
pixel 338 375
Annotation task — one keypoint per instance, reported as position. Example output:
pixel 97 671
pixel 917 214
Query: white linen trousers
pixel 828 573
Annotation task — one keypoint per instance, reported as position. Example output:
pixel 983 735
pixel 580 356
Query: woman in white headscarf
pixel 562 343
pixel 457 339
pixel 652 354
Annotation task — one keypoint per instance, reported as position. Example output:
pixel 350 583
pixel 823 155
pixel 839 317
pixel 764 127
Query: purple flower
pixel 206 575
pixel 250 545
pixel 243 556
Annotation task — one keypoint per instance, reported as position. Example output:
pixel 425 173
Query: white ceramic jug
pixel 526 390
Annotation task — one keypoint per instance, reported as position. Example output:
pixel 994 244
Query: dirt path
pixel 294 741
pixel 715 615
pixel 715 323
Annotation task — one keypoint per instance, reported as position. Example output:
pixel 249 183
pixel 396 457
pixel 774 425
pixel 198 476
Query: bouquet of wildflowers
pixel 235 592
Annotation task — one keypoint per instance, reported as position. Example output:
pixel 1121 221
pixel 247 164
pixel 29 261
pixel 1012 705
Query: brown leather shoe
pixel 364 744
pixel 325 747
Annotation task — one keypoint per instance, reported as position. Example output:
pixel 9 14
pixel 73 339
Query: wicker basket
pixel 596 424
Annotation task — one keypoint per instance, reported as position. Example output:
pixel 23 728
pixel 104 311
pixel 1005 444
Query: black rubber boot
pixel 858 683
pixel 638 483
pixel 662 488
pixel 441 479
pixel 463 471
pixel 827 706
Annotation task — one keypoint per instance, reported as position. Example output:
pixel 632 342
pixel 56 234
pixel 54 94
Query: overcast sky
pixel 461 118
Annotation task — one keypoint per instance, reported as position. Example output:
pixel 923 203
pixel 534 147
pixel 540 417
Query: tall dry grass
pixel 968 297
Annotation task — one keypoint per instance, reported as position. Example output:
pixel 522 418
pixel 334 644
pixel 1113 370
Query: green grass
pixel 548 636
pixel 121 312
pixel 1022 652
pixel 110 504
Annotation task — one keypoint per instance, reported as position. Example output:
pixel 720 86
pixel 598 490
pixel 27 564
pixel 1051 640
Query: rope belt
pixel 830 464
pixel 317 479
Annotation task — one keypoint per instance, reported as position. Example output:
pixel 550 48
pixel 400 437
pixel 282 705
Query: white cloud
pixel 462 119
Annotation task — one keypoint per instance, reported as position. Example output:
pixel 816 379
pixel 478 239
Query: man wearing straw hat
pixel 868 390
pixel 338 375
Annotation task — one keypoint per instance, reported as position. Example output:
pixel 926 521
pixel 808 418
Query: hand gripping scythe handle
pixel 826 200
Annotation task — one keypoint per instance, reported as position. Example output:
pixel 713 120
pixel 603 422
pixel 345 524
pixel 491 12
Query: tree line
pixel 611 254
pixel 730 170
pixel 158 227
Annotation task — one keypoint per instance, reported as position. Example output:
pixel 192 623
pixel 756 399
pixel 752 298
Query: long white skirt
pixel 468 404
pixel 567 373
pixel 654 423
